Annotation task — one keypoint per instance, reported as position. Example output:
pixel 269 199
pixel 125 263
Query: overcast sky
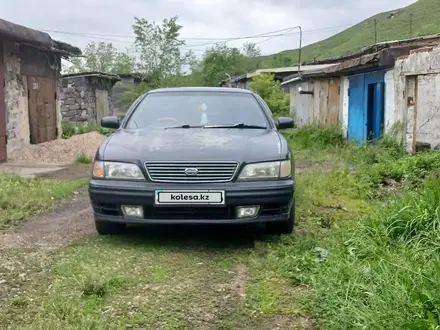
pixel 200 18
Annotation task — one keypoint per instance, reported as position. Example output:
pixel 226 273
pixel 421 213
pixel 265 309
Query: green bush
pixel 270 91
pixel 411 169
pixel 385 150
pixel 70 129
pixel 313 137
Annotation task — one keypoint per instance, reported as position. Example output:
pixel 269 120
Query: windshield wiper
pixel 239 125
pixel 184 126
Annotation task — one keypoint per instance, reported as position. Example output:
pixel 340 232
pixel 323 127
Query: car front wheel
pixel 282 227
pixel 109 228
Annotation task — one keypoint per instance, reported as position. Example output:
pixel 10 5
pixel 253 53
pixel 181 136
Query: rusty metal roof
pixel 36 39
pixel 277 70
pixel 418 41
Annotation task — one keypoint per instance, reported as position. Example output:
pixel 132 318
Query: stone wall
pixel 78 100
pixel 16 101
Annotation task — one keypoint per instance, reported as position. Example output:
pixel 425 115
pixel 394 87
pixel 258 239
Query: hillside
pixel 392 25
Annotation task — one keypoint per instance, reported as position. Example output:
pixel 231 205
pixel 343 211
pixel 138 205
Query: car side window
pixel 266 108
pixel 132 106
pixel 264 104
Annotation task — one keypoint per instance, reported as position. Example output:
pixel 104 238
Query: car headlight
pixel 267 170
pixel 113 170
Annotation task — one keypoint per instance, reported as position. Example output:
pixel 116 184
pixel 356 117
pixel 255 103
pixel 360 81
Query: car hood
pixel 194 144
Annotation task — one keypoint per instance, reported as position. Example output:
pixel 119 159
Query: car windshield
pixel 200 109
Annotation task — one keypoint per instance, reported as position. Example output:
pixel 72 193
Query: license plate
pixel 190 197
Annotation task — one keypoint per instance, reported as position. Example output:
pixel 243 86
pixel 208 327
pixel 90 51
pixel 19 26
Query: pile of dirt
pixel 62 151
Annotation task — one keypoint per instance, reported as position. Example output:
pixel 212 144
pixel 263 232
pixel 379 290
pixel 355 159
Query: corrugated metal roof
pixel 288 69
pixel 303 68
pixel 376 47
pixel 317 70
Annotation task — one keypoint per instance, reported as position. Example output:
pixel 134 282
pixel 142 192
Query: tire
pixel 283 227
pixel 109 228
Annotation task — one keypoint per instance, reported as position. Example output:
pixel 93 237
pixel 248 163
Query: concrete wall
pixel 428 109
pixel 21 62
pixel 345 84
pixel 417 97
pixel 390 104
pixel 37 63
pixel 78 98
pixel 292 93
pixel 299 104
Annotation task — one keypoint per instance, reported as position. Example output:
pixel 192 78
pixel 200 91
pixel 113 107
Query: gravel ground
pixel 62 151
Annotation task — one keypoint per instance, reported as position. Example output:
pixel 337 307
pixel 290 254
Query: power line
pixel 267 36
pixel 263 35
pixel 110 37
pixel 125 36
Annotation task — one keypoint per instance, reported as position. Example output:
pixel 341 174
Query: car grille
pixel 206 171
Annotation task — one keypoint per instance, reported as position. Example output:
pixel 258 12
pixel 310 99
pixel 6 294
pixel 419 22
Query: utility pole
pixel 375 31
pixel 410 24
pixel 300 47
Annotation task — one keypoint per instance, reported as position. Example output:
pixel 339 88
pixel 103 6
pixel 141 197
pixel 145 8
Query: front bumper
pixel 274 197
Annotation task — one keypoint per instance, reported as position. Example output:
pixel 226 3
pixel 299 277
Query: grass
pixel 22 197
pixel 118 283
pixel 313 143
pixel 84 159
pixel 70 129
pixel 382 269
pixel 365 256
pixel 423 14
pixel 377 265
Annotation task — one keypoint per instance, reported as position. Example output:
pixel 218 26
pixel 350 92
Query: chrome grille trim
pixel 174 172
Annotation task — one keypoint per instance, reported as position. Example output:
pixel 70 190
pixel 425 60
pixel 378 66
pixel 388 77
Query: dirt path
pixel 68 222
pixel 309 166
pixel 156 277
pixel 166 278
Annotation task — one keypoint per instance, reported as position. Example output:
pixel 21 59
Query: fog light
pixel 133 211
pixel 247 211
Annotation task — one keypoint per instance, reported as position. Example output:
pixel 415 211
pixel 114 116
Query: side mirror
pixel 285 122
pixel 110 122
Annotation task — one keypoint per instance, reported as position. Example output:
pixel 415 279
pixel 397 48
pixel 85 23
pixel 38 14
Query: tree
pixel 159 58
pixel 253 54
pixel 158 47
pixel 281 60
pixel 270 91
pixel 103 57
pixel 251 50
pixel 220 61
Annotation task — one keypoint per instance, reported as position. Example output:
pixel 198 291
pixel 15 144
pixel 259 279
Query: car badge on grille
pixel 191 171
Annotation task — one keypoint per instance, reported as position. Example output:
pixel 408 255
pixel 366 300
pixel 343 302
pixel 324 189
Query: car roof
pixel 201 89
